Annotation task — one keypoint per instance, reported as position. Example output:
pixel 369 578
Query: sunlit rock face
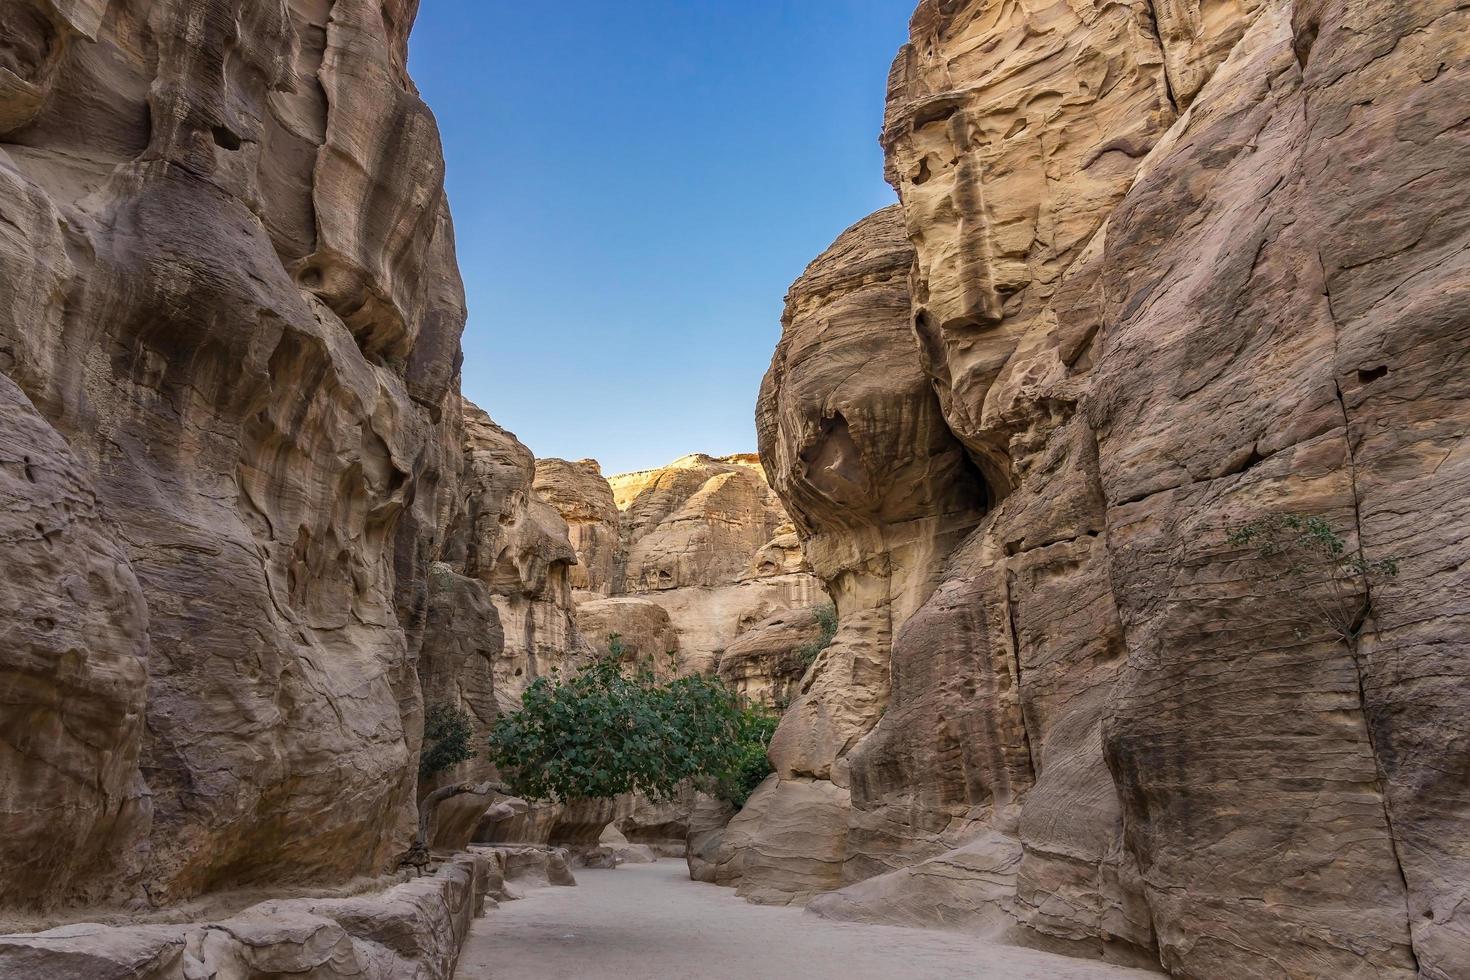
pixel 1176 266
pixel 680 561
pixel 229 329
pixel 585 501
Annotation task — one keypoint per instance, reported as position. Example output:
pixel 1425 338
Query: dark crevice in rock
pixel 1353 645
pixel 1013 625
pixel 225 138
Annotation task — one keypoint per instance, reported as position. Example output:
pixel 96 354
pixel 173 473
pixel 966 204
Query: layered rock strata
pixel 229 335
pixel 415 929
pixel 680 561
pixel 880 491
pixel 1175 267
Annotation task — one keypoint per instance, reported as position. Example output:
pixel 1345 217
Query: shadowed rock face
pixel 881 491
pixel 229 329
pixel 1103 729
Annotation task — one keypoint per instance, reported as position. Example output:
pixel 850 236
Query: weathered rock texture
pixel 415 929
pixel 881 491
pixel 500 608
pixel 247 526
pixel 229 330
pixel 681 560
pixel 585 501
pixel 1174 266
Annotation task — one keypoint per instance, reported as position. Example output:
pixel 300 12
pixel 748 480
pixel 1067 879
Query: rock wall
pixel 501 612
pixel 229 334
pixel 1175 266
pixel 680 561
pixel 414 929
pixel 585 501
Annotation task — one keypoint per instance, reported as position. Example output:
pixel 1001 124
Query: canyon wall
pixel 684 560
pixel 247 527
pixel 1159 269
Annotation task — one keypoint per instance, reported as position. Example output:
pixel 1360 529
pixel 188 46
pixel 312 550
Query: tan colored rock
pixel 228 293
pixel 786 844
pixel 704 538
pixel 1010 133
pixel 645 633
pixel 707 821
pixel 880 490
pixel 507 537
pixel 415 929
pixel 767 662
pixel 1148 330
pixel 585 501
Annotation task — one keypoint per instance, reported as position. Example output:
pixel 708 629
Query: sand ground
pixel 650 922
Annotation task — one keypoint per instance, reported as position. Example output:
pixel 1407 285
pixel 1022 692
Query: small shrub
pixel 1335 585
pixel 751 765
pixel 447 734
pixel 827 621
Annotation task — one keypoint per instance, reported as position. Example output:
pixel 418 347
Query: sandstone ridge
pixel 1157 270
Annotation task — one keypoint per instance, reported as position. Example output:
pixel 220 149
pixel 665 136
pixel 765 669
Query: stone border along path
pixel 650 922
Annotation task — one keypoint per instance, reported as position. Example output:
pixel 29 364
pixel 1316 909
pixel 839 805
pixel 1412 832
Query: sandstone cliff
pixel 680 561
pixel 1173 266
pixel 229 326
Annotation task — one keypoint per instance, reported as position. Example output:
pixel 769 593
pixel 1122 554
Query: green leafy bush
pixel 605 731
pixel 751 765
pixel 827 620
pixel 1333 583
pixel 447 734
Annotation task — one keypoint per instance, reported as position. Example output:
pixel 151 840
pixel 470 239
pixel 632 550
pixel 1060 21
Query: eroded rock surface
pixel 415 929
pixel 881 491
pixel 1175 266
pixel 704 551
pixel 229 324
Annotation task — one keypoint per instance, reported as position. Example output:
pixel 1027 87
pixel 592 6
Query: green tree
pixel 605 731
pixel 447 734
pixel 1334 584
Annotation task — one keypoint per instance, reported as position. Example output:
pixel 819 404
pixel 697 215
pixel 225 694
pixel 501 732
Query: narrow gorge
pixel 1159 272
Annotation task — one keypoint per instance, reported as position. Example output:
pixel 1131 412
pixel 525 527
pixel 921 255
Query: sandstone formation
pixel 679 561
pixel 1166 268
pixel 881 492
pixel 229 330
pixel 766 663
pixel 249 530
pixel 415 929
pixel 585 501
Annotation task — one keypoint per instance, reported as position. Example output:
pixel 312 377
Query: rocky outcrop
pixel 639 628
pixel 415 929
pixel 585 501
pixel 881 492
pixel 766 663
pixel 704 552
pixel 249 530
pixel 1175 266
pixel 229 330
pixel 500 608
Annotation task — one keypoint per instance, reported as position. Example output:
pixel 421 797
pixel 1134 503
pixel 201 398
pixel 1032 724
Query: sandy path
pixel 650 922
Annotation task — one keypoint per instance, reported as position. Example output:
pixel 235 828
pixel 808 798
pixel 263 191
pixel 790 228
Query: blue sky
pixel 635 184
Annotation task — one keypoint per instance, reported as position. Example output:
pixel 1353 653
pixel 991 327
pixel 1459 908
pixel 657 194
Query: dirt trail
pixel 650 922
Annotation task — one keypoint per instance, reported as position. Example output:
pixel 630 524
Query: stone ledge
pixel 414 931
